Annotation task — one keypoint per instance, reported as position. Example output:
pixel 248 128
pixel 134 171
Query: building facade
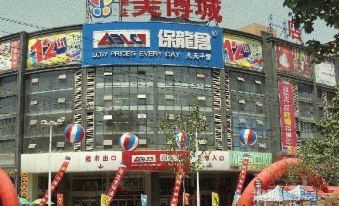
pixel 124 77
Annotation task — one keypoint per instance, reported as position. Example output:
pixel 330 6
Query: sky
pixel 56 13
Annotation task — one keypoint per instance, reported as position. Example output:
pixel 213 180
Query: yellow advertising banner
pixel 215 199
pixel 55 49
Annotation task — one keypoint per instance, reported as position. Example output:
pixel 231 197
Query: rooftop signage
pixel 152 43
pixel 206 10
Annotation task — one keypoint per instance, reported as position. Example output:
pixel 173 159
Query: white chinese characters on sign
pixel 184 40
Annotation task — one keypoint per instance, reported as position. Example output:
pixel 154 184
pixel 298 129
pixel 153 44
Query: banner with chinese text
pixel 287 118
pixel 54 49
pixel 196 10
pixel 54 184
pixel 152 43
pixel 9 55
pixel 293 61
pixel 243 52
pixel 241 180
pixel 256 160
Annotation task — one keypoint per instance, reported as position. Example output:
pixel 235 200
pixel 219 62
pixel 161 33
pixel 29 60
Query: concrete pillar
pixel 153 195
pixel 20 116
pixel 272 91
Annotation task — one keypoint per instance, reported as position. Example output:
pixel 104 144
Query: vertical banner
pixel 241 180
pixel 24 185
pixel 60 199
pixel 143 200
pixel 287 118
pixel 58 177
pixel 176 188
pixel 215 199
pixel 115 184
pixel 104 201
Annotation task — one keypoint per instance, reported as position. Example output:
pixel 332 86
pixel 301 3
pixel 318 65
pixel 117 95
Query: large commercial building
pixel 123 77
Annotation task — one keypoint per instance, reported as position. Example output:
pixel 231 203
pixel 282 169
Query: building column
pixel 152 188
pixel 272 91
pixel 20 116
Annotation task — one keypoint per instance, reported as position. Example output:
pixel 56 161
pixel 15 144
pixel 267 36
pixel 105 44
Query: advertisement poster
pixel 9 55
pixel 293 61
pixel 152 43
pixel 61 48
pixel 243 52
pixel 287 118
pixel 325 73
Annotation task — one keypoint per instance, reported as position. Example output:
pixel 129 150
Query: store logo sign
pixel 185 40
pixel 121 38
pixel 143 159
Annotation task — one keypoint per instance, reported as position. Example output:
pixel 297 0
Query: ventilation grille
pixel 90 82
pixel 228 111
pixel 77 104
pixel 217 110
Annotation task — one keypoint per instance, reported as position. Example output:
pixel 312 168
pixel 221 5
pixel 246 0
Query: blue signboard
pixel 152 43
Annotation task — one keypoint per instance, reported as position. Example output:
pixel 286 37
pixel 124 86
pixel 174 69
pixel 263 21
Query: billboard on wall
pixel 61 48
pixel 293 61
pixel 243 52
pixel 9 55
pixel 256 160
pixel 287 118
pixel 152 43
pixel 325 73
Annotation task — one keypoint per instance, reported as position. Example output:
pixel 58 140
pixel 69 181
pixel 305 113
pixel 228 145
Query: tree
pixel 194 124
pixel 320 155
pixel 306 12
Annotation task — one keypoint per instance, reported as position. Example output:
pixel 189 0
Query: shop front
pixel 90 174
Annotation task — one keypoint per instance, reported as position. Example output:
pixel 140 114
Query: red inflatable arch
pixel 269 175
pixel 8 196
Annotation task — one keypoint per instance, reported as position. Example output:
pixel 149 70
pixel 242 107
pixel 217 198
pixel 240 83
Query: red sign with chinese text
pixel 151 159
pixel 293 32
pixel 287 118
pixel 204 9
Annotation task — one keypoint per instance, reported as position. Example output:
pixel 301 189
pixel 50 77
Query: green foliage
pixel 321 154
pixel 193 123
pixel 306 12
